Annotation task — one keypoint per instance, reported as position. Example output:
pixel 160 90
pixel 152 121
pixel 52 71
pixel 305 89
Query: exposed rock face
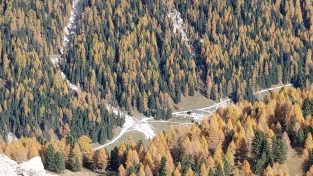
pixel 11 137
pixel 7 166
pixel 33 167
pixel 69 33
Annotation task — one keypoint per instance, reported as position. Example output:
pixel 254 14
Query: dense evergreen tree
pixel 50 158
pixel 307 107
pixel 227 168
pixel 260 164
pixel 59 162
pixel 188 163
pixel 115 159
pixel 279 150
pixel 219 171
pixel 75 162
pixel 54 160
pixel 162 169
pixel 259 144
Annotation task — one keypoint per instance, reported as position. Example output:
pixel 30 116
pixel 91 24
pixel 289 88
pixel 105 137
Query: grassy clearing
pixel 194 102
pixel 181 119
pixel 158 127
pixel 134 136
pixel 294 163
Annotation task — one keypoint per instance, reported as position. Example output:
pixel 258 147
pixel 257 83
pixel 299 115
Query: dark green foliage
pixel 307 107
pixel 300 138
pixel 223 169
pixel 133 62
pixel 178 95
pixel 299 80
pixel 54 161
pixel 247 64
pixel 249 94
pixel 130 57
pixel 265 155
pixel 227 168
pixel 151 102
pixel 189 162
pixel 191 90
pixel 110 133
pixel 133 169
pixel 213 94
pixel 260 164
pixel 309 162
pixel 75 164
pixel 162 169
pixel 71 140
pixel 168 114
pixel 43 101
pixel 50 158
pixel 279 150
pixel 219 171
pixel 59 162
pixel 102 136
pixel 259 144
pixel 269 155
pixel 140 106
pixel 114 159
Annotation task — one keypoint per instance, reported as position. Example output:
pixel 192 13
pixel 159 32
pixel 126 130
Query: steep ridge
pixel 10 167
pixel 143 125
pixel 69 33
pixel 131 123
pixel 178 25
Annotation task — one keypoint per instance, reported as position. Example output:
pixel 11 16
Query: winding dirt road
pixel 198 116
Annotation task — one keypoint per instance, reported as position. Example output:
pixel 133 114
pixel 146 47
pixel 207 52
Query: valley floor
pixel 142 128
pixel 294 163
pixel 138 130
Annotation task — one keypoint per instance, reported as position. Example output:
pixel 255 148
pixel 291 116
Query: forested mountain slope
pixel 248 45
pixel 129 53
pixel 243 139
pixel 35 101
pixel 126 54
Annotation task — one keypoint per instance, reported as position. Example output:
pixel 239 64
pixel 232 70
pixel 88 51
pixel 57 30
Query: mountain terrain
pixel 78 72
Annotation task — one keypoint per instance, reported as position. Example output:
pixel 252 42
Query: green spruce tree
pixel 279 150
pixel 59 162
pixel 162 169
pixel 50 158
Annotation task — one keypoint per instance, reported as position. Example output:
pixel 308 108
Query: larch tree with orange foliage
pixel 100 158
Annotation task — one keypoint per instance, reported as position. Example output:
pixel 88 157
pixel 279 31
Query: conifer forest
pixel 77 75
